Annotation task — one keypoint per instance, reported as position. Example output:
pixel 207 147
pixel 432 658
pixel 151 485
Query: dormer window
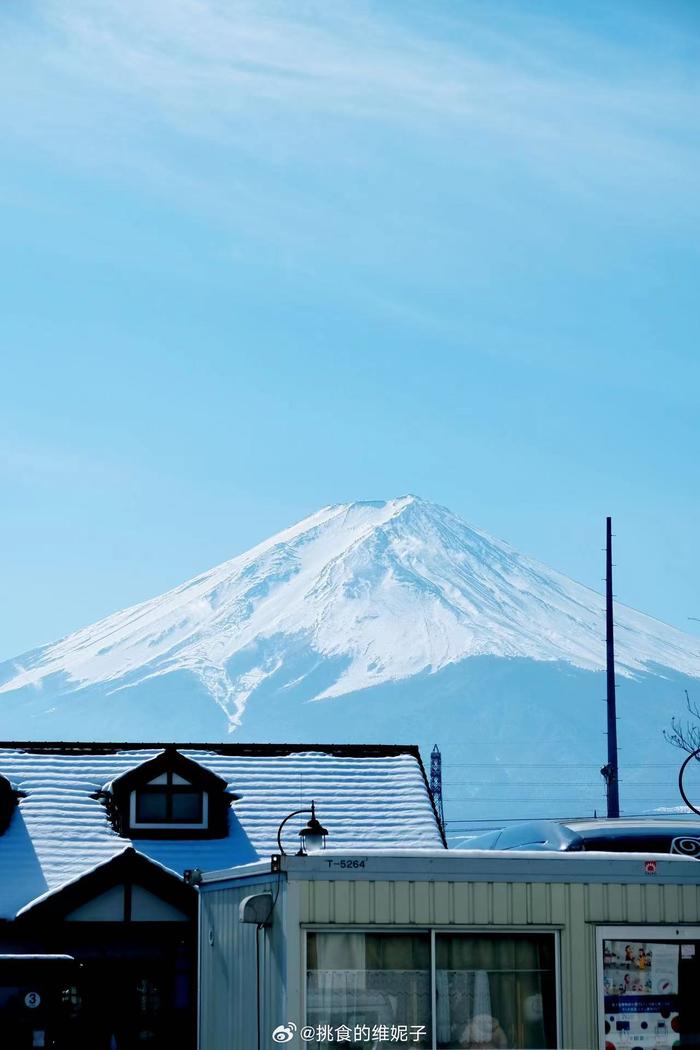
pixel 169 799
pixel 169 796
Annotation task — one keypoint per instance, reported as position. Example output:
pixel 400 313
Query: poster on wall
pixel 640 985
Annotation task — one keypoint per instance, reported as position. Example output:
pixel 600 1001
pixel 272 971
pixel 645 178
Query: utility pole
pixel 610 771
pixel 436 783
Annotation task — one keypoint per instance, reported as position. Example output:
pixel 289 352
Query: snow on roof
pixel 60 832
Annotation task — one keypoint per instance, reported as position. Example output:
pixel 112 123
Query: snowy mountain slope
pixel 374 592
pixel 381 622
pixel 393 588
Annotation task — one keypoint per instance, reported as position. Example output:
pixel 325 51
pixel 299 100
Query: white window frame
pixel 169 825
pixel 555 932
pixel 637 932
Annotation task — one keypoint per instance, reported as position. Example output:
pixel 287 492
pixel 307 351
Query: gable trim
pixel 128 868
pixel 170 759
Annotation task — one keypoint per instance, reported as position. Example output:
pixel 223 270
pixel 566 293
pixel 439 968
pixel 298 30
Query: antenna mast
pixel 610 771
pixel 436 783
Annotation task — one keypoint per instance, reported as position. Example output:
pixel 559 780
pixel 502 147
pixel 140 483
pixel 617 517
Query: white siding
pixel 228 1005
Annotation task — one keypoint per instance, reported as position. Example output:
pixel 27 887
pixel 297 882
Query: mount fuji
pixel 380 621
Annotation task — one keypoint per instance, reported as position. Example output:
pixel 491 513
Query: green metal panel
pixel 383 900
pixel 362 898
pixel 501 895
pixel 320 897
pixel 635 903
pixel 574 909
pixel 421 903
pixel 476 903
pixel 343 902
pixel 539 902
pixel 688 903
pixel 443 902
pixel 463 902
pixel 400 891
pixel 482 901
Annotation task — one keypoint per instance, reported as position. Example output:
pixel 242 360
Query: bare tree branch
pixel 685 735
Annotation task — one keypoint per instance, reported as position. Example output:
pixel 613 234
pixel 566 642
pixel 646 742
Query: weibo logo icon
pixel 284 1033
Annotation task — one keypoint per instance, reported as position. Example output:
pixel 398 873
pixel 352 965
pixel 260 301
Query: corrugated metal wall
pixel 470 903
pixel 228 1005
pixel 573 908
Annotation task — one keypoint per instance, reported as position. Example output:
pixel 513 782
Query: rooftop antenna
pixel 610 771
pixel 436 783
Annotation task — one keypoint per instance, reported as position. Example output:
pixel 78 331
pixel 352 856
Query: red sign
pixel 650 867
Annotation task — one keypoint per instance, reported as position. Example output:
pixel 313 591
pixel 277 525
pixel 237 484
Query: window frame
pixel 554 930
pixel 170 788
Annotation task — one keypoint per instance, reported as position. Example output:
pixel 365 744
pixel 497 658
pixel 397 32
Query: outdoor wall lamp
pixel 311 838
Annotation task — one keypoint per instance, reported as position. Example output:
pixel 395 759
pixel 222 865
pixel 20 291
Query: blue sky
pixel 261 257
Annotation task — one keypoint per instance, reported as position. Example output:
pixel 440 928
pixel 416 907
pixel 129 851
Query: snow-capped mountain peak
pixel 379 591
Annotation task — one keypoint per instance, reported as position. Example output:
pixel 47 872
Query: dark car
pixel 620 835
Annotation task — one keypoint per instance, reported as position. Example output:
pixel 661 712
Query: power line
pixel 558 798
pixel 559 783
pixel 516 800
pixel 497 822
pixel 561 766
pixel 555 765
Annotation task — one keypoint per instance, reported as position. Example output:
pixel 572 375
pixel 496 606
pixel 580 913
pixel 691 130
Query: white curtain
pixel 337 985
pixel 368 979
pixel 461 995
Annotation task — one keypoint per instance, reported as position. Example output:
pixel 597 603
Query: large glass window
pixel 374 990
pixel 495 990
pixel 369 989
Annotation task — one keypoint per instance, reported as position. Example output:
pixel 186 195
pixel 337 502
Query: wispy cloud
pixel 256 112
pixel 206 68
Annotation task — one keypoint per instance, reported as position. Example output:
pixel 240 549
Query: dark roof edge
pixel 433 804
pixel 100 747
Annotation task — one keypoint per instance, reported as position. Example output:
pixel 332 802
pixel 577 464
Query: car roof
pixel 631 825
pixel 623 833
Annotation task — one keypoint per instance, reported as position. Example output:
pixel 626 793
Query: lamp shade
pixel 313 836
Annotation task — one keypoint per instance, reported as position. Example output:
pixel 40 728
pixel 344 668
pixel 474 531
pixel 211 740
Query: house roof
pixel 168 757
pixel 367 796
pixel 129 865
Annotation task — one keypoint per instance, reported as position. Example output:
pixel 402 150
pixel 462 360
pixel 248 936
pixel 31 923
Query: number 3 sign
pixel 32 1000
